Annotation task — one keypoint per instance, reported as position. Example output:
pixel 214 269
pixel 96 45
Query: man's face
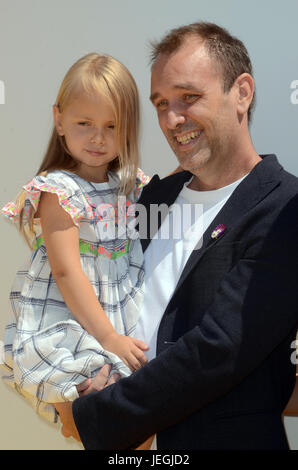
pixel 196 116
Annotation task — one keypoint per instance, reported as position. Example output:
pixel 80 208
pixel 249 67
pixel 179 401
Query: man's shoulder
pixel 271 165
pixel 290 180
pixel 270 170
pixel 175 178
pixel 167 188
pixel 288 187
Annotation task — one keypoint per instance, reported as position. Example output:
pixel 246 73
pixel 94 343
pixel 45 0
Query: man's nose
pixel 175 118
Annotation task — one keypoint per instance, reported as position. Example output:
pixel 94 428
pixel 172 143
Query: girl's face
pixel 88 126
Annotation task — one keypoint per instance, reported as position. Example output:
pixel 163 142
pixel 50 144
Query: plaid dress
pixel 47 352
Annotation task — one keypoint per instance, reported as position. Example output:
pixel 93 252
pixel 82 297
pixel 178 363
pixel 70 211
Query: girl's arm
pixel 61 239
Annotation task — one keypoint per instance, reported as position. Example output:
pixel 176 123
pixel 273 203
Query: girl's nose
pixel 97 137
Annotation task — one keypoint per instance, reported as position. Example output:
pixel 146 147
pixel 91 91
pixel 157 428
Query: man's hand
pixel 99 382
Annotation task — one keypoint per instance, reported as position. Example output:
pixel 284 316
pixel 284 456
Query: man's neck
pixel 208 180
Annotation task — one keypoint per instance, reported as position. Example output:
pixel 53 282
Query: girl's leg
pixel 146 445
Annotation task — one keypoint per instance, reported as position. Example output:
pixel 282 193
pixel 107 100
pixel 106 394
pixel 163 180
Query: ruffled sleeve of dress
pixel 57 182
pixel 69 195
pixel 141 181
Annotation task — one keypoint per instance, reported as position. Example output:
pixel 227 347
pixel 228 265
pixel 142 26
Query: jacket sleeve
pixel 247 320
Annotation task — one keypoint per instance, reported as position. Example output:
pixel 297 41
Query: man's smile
pixel 185 141
pixel 188 137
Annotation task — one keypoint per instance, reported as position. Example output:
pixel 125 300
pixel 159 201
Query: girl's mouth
pixel 94 153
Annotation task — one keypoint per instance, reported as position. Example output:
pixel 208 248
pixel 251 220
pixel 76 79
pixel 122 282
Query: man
pixel 223 317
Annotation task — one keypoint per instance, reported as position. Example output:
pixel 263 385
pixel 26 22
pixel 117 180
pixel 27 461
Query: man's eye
pixel 161 104
pixel 190 98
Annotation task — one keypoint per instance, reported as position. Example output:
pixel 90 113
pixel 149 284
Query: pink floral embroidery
pixel 10 210
pixel 34 190
pixel 144 179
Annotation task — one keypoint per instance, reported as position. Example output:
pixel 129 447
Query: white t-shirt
pixel 169 250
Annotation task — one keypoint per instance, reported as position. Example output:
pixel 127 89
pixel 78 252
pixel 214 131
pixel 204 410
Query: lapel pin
pixel 218 231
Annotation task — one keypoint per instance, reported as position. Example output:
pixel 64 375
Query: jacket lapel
pixel 263 178
pixel 161 192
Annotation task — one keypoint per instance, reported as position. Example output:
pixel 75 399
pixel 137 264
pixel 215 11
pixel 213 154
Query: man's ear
pixel 244 92
pixel 57 119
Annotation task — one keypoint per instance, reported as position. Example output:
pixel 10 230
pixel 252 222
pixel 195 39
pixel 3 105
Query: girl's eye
pixel 111 126
pixel 83 123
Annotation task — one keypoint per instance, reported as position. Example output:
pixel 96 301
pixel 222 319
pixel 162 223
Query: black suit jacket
pixel 223 372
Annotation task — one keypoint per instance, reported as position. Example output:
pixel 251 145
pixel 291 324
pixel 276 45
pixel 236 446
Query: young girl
pixel 76 303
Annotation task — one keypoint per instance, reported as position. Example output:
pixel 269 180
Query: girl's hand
pixel 130 350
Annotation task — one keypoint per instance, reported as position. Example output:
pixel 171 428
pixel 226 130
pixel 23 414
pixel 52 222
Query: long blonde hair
pixel 94 73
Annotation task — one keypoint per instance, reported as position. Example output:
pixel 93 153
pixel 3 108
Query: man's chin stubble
pixel 194 163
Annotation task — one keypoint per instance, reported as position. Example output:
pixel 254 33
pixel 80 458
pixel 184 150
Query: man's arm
pixel 248 319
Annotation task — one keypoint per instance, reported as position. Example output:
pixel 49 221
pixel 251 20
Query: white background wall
pixel 40 39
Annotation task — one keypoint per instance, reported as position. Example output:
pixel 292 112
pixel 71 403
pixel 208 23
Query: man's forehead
pixel 190 48
pixel 191 61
